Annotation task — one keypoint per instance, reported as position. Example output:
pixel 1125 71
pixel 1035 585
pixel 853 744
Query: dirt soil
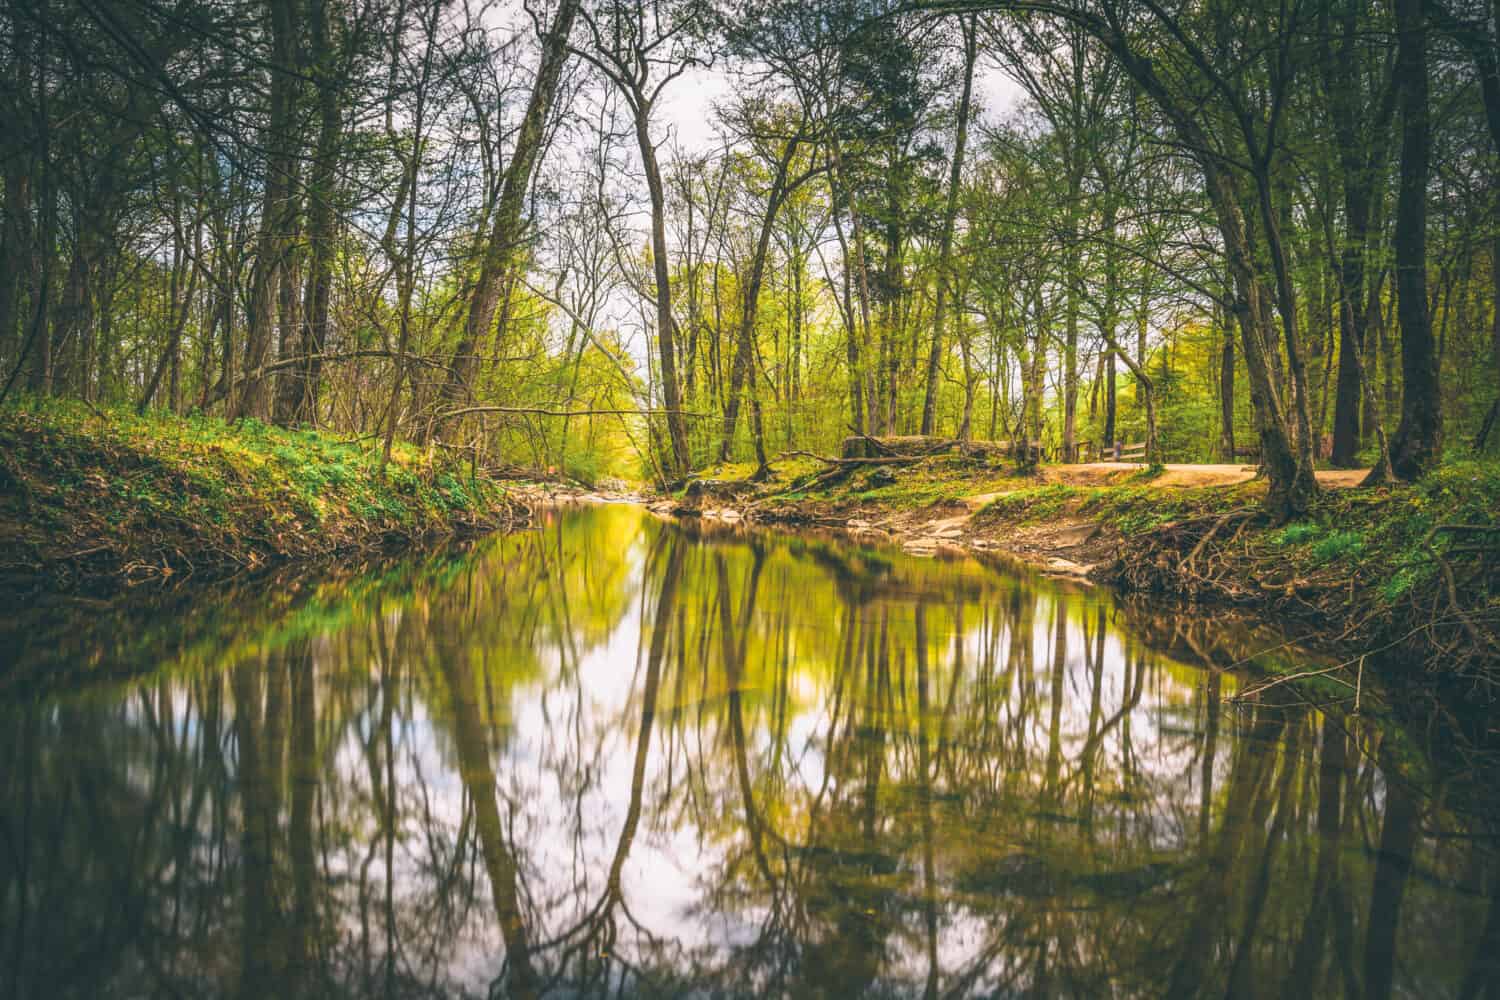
pixel 1181 476
pixel 1063 546
pixel 1068 544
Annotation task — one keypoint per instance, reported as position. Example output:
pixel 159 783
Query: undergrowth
pixel 89 497
pixel 1413 566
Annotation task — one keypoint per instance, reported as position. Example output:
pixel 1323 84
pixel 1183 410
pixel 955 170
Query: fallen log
pixel 897 446
pixel 881 460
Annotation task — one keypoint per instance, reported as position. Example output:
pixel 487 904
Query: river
pixel 611 756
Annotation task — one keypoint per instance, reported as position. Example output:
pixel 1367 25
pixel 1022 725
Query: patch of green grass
pixel 1400 583
pixel 1033 503
pixel 1297 534
pixel 1338 545
pixel 156 487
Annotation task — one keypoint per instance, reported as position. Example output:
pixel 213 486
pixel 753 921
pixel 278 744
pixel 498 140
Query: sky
pixel 686 115
pixel 688 103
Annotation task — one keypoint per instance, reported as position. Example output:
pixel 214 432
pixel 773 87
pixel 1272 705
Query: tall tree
pixel 641 46
pixel 784 136
pixel 279 205
pixel 507 238
pixel 1418 441
pixel 970 29
pixel 1361 101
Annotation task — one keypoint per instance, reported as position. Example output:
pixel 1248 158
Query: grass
pixel 937 480
pixel 89 495
pixel 1130 509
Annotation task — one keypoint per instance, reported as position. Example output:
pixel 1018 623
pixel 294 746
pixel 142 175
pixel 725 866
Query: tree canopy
pixel 1237 232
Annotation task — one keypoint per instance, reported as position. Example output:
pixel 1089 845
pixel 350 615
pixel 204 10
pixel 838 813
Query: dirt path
pixel 1179 476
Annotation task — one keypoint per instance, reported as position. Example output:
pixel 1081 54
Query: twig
pixel 1249 692
pixel 1359 684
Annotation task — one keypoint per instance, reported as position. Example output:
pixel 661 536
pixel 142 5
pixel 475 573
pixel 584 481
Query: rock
pixel 1066 567
pixel 1067 538
pixel 951 532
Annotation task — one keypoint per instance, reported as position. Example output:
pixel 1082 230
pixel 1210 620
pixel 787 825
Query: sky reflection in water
pixel 609 757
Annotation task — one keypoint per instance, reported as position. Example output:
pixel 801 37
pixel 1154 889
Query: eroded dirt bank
pixel 96 502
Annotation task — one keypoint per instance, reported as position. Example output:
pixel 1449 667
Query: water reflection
pixel 611 758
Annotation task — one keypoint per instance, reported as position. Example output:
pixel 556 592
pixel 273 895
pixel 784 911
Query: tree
pixel 641 46
pixel 950 213
pixel 1361 101
pixel 784 136
pixel 279 206
pixel 502 250
pixel 1418 442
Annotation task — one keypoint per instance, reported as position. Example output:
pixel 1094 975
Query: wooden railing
pixel 1128 452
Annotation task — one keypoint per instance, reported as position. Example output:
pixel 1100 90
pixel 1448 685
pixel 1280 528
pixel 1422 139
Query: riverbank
pixel 92 501
pixel 1407 569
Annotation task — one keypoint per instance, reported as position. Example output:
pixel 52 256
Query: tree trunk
pixel 15 252
pixel 950 214
pixel 1036 386
pixel 1291 486
pixel 1417 444
pixel 506 236
pixel 39 339
pixel 74 317
pixel 676 424
pixel 890 327
pixel 744 346
pixel 1108 322
pixel 851 328
pixel 1303 439
pixel 177 323
pixel 1362 156
pixel 1226 396
pixel 321 220
pixel 277 209
pixel 288 319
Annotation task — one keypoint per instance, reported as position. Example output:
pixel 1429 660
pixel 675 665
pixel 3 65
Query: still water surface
pixel 613 757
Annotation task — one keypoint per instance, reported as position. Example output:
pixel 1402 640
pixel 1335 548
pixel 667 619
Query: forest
pixel 642 498
pixel 1238 232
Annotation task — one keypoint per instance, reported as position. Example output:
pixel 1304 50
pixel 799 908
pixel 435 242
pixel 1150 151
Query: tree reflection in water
pixel 615 757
